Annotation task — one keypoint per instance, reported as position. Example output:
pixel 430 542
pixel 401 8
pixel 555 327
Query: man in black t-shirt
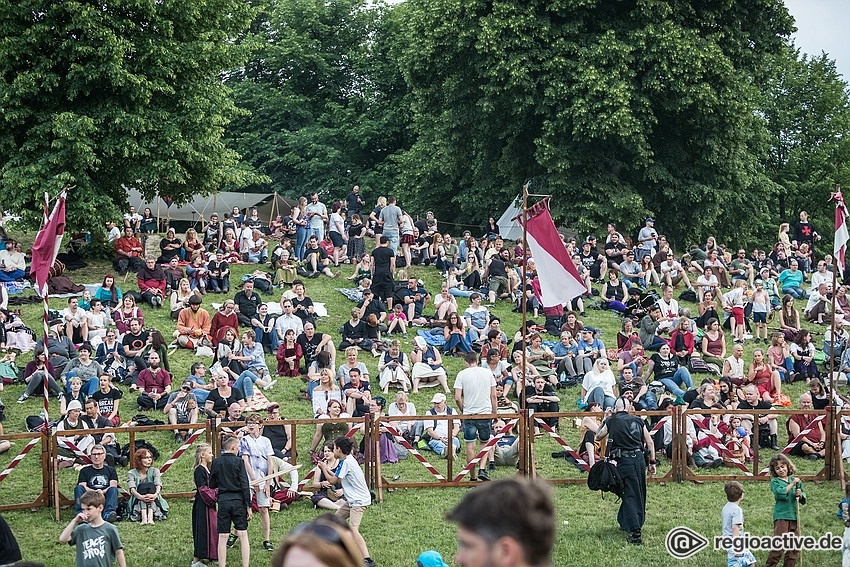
pixel 614 252
pixel 383 271
pixel 354 203
pixel 497 275
pixel 542 398
pixel 415 298
pixel 247 302
pixel 99 476
pixel 312 343
pixel 134 342
pixel 316 260
pixel 95 420
pixel 279 435
pixel 372 305
pixel 766 421
pixel 592 260
pixel 302 305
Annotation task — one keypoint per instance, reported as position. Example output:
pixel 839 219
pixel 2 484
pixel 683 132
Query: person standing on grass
pixel 98 543
pixel 475 394
pixel 629 439
pixel 788 495
pixel 489 537
pixel 256 451
pixel 733 524
pixel 355 491
pixel 228 474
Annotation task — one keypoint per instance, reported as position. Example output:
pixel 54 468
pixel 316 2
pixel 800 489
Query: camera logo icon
pixel 683 542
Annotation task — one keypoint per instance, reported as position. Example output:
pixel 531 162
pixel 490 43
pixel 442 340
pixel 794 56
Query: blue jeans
pixel 200 395
pixel 89 387
pixel 657 343
pixel 598 395
pixel 245 383
pixel 318 232
pixel 648 401
pixel 683 377
pixel 634 281
pixel 438 446
pixel 220 284
pixel 301 234
pixel 12 275
pixel 393 237
pixel 795 292
pixel 111 499
pixel 272 336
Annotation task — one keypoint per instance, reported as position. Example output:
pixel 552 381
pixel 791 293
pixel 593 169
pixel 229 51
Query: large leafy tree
pixel 807 113
pixel 324 96
pixel 619 108
pixel 116 93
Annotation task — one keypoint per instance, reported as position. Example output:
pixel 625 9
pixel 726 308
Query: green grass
pixel 408 520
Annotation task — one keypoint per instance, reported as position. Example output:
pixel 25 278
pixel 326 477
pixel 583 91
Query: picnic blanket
pixel 354 294
pixel 261 402
pixel 431 337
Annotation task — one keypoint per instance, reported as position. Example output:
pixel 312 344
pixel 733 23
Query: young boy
pixel 256 451
pixel 733 524
pixel 354 488
pixel 234 499
pixel 98 543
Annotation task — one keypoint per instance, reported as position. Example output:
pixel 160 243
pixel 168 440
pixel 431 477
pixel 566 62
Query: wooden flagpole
pixel 45 297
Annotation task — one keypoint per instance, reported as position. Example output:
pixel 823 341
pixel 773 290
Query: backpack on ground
pixel 605 476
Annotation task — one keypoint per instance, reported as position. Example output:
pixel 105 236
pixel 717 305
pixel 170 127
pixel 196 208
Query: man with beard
pixel 154 385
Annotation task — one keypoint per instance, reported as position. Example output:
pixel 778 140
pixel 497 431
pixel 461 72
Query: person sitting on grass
pixel 144 482
pixel 154 385
pixel 98 477
pixel 152 282
pixel 811 446
pixel 394 368
pixel 182 407
pixel 397 320
pixel 193 325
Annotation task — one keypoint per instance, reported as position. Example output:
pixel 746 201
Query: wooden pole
pixel 529 466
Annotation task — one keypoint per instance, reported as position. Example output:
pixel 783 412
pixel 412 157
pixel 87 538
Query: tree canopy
pixel 113 94
pixel 623 108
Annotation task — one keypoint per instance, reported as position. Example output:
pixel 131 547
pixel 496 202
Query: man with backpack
pixel 629 442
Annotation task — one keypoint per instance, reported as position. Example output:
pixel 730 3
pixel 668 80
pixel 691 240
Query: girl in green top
pixel 787 492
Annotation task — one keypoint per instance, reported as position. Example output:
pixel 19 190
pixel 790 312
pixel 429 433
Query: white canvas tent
pixel 509 228
pixel 201 207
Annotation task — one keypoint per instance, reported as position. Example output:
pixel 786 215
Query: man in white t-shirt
pixel 475 394
pixel 356 495
pixel 669 308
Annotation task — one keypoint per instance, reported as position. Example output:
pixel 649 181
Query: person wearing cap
pixel 650 326
pixel 73 423
pixel 437 434
pixel 507 523
pixel 430 558
pixel 647 239
pixel 182 407
pixel 193 325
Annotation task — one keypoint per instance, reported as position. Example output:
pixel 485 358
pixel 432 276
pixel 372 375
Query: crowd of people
pixel 101 343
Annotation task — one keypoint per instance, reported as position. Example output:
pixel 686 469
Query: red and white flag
pixel 47 244
pixel 559 279
pixel 842 235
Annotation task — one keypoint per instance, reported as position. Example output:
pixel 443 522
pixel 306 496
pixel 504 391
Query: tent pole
pixel 158 201
pixel 215 201
pixel 274 208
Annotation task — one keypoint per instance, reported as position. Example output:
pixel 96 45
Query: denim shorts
pixel 759 317
pixel 476 429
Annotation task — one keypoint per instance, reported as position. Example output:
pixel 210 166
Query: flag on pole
pixel 559 279
pixel 47 244
pixel 842 235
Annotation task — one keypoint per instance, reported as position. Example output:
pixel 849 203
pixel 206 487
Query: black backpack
pixel 605 476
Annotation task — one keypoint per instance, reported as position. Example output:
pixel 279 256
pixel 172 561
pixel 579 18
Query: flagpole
pixel 522 403
pixel 45 298
pixel 838 264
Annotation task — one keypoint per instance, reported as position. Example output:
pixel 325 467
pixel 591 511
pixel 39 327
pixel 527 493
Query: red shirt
pixel 152 383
